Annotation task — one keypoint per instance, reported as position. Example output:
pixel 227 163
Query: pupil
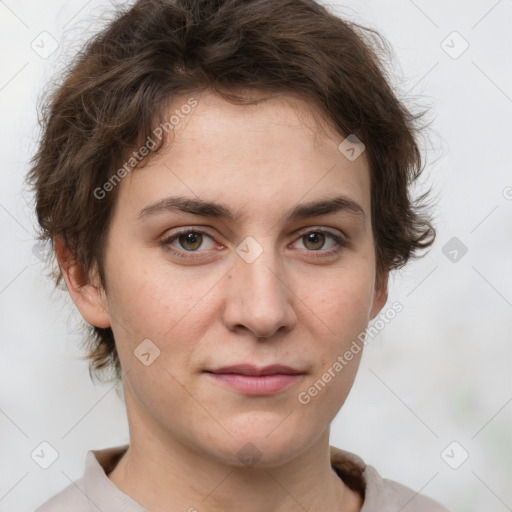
pixel 193 239
pixel 314 238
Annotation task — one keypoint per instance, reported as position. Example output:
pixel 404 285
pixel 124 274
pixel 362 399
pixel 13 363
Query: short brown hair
pixel 120 84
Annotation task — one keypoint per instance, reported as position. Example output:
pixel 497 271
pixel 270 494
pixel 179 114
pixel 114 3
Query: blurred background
pixel 432 404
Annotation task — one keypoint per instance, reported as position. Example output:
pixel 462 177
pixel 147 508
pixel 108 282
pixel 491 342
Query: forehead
pixel 260 156
pixel 276 117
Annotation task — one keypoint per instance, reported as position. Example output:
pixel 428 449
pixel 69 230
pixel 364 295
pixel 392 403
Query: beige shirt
pixel 94 492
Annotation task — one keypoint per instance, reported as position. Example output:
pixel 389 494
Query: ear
pixel 381 294
pixel 86 291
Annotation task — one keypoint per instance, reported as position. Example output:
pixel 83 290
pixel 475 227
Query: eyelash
pixel 191 256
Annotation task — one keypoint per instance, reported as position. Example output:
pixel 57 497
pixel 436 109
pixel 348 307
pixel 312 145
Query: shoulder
pixel 73 497
pixel 380 494
pixel 94 491
pixel 385 495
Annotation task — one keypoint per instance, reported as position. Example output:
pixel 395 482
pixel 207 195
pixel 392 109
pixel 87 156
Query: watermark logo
pixel 44 45
pixel 42 250
pixel 249 249
pixel 454 45
pixel 351 147
pixel 249 455
pixel 146 352
pixel 455 455
pixel 454 249
pixel 44 455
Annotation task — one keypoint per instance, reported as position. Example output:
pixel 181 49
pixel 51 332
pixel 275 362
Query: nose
pixel 258 298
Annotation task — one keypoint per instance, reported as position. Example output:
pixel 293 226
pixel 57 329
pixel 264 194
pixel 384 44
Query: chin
pixel 261 449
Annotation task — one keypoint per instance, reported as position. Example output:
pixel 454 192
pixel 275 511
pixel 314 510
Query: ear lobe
pixel 381 295
pixel 89 297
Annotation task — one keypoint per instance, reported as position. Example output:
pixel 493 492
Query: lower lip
pixel 256 385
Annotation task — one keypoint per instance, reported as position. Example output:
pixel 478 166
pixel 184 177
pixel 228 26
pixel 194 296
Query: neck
pixel 163 473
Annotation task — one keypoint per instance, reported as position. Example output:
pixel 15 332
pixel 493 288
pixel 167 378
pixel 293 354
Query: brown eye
pixel 190 241
pixel 314 243
pixel 314 240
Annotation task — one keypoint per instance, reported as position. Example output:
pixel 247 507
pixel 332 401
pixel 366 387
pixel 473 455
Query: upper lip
pixel 249 369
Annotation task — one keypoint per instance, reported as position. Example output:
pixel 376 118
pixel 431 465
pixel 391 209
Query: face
pixel 261 287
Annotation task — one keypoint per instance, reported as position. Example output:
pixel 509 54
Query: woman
pixel 225 188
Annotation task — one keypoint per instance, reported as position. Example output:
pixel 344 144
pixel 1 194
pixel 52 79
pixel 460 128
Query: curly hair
pixel 119 85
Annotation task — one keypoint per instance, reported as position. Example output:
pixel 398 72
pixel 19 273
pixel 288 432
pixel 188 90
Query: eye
pixel 188 241
pixel 314 240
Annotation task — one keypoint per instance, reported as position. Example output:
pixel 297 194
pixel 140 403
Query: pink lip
pixel 252 380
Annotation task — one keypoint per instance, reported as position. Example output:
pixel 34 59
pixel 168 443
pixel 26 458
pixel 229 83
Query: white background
pixel 439 372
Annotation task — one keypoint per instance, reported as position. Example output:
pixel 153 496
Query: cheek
pixel 344 306
pixel 142 295
pixel 172 309
pixel 342 311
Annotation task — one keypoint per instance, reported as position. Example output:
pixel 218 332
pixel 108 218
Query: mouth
pixel 252 380
pixel 249 369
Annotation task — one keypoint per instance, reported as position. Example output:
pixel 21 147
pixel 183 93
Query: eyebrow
pixel 218 210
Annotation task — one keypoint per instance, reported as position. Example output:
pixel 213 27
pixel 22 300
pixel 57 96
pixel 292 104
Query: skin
pixel 262 161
